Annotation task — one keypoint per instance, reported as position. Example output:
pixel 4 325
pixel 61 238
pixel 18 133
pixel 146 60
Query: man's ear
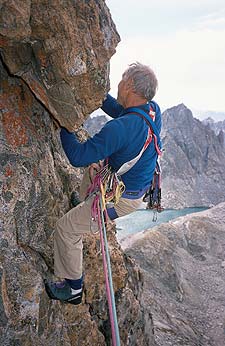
pixel 130 84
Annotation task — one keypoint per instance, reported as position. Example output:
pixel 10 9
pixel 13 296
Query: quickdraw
pixel 109 185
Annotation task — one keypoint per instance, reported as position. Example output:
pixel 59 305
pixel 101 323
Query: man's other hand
pixel 94 169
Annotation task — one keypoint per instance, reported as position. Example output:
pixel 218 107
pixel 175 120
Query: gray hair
pixel 144 80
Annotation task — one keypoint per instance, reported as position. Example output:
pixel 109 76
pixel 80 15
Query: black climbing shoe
pixel 74 199
pixel 63 292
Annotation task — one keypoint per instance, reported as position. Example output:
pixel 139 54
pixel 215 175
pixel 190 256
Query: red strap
pixel 159 152
pixel 149 139
pixel 150 133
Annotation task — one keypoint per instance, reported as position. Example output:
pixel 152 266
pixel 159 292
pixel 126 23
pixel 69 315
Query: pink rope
pixel 95 213
pixel 94 185
pixel 109 298
pixel 101 216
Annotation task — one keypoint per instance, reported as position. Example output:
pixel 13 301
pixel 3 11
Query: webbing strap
pixel 128 165
pixel 152 132
pixel 147 118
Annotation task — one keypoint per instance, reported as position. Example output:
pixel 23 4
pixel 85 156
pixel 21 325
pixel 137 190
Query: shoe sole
pixel 74 301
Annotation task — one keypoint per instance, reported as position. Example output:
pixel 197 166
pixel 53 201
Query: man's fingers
pixel 94 168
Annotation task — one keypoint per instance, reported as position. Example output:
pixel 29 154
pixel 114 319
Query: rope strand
pixel 108 292
pixel 106 187
pixel 112 297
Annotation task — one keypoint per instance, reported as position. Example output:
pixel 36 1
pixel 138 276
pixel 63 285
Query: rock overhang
pixel 62 51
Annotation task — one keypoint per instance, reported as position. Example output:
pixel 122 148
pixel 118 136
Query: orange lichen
pixel 15 131
pixel 8 171
pixel 16 103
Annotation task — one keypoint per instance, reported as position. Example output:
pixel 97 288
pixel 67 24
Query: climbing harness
pixel 152 133
pixel 153 195
pixel 106 188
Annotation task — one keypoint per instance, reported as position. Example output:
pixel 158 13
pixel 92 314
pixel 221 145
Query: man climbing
pixel 120 140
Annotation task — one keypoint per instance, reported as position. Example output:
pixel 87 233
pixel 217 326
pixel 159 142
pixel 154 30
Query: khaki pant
pixel 68 246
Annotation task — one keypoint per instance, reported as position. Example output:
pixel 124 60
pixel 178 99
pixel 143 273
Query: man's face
pixel 123 90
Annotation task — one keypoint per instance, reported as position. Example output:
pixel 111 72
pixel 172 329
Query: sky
pixel 183 41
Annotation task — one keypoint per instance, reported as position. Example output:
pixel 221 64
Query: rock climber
pixel 120 140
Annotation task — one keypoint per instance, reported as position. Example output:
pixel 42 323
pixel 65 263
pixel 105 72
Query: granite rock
pixel 193 163
pixel 182 265
pixel 61 49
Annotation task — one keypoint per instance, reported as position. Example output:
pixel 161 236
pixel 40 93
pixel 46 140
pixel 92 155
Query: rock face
pixel 217 126
pixel 54 61
pixel 183 265
pixel 61 49
pixel 193 164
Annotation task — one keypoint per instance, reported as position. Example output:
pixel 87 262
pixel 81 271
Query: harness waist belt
pixel 134 194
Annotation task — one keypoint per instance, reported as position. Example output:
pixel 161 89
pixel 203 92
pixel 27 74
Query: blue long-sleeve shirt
pixel 120 140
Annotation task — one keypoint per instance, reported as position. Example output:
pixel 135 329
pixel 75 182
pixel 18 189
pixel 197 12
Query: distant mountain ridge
pixel 202 115
pixel 217 126
pixel 193 164
pixel 94 124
